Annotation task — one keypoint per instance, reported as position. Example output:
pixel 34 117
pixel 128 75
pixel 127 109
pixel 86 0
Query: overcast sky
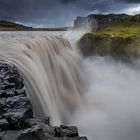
pixel 51 13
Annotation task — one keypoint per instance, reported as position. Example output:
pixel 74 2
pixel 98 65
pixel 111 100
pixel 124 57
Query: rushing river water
pixel 99 95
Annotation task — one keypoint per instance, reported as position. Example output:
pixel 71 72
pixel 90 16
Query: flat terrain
pixel 12 26
pixel 120 29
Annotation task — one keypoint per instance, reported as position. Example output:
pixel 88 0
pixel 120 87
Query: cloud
pixel 130 1
pixel 133 10
pixel 58 12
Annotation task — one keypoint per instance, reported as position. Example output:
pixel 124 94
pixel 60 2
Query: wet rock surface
pixel 16 113
pixel 15 107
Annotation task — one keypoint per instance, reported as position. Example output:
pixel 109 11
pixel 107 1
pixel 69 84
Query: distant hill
pixel 12 26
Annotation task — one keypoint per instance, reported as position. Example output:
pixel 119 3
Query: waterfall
pixel 52 72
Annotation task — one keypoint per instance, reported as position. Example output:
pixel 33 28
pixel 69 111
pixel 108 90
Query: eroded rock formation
pixel 101 19
pixel 118 47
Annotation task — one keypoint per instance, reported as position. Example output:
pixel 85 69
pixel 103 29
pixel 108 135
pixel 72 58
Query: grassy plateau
pixel 120 29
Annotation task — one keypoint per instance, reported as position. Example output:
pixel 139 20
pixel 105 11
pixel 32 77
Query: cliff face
pixel 118 47
pixel 117 35
pixel 100 19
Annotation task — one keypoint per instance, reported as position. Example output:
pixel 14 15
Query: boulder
pixel 18 102
pixel 68 131
pixel 3 124
pixel 37 132
pixel 35 121
pixel 17 117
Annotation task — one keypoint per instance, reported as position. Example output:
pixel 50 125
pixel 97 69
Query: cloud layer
pixel 61 12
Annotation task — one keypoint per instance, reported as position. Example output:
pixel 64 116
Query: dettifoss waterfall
pixel 52 73
pixel 98 94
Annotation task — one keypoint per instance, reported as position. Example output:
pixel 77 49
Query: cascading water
pixel 54 74
pixel 52 71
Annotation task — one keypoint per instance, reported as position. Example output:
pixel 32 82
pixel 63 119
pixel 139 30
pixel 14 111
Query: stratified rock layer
pixel 118 47
pixel 16 113
pixel 101 19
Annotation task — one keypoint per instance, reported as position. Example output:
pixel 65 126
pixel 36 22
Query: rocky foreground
pixel 17 121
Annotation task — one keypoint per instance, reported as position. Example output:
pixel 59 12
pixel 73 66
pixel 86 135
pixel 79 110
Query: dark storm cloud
pixel 52 12
pixel 68 1
pixel 131 1
pixel 57 12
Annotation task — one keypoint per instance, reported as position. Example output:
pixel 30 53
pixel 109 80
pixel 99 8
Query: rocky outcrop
pixel 42 130
pixel 119 47
pixel 101 19
pixel 16 113
pixel 15 107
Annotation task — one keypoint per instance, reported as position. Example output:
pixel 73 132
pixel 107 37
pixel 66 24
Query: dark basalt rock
pixel 68 131
pixel 17 117
pixel 7 93
pixel 18 102
pixel 35 133
pixel 2 102
pixel 4 124
pixel 41 131
pixel 16 113
pixel 35 121
pixel 10 77
pixel 15 107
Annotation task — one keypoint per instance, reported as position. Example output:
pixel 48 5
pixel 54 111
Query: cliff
pixel 100 19
pixel 116 35
pixel 117 47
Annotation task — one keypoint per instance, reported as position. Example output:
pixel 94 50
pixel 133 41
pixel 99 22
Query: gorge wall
pixel 101 19
pixel 121 47
pixel 113 34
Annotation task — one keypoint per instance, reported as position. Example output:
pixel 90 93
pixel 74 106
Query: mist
pixel 112 101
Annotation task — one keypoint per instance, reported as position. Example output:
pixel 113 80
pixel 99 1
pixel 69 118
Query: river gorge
pixel 97 93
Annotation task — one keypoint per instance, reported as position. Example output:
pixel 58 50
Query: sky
pixel 59 13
